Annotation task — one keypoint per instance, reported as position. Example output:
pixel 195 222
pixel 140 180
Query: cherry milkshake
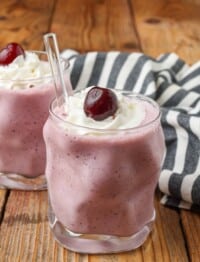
pixel 104 155
pixel 26 89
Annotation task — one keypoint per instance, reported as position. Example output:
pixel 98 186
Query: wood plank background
pixel 152 27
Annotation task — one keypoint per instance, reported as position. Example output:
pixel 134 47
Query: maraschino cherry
pixel 10 52
pixel 100 103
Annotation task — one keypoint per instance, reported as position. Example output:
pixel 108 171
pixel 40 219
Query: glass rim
pixel 111 130
pixel 37 79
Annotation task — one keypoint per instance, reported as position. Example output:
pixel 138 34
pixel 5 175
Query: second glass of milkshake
pixel 26 90
pixel 102 171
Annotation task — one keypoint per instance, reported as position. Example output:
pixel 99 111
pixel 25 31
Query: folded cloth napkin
pixel 175 86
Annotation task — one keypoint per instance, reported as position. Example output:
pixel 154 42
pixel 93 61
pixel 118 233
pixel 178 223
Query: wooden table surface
pixel 152 27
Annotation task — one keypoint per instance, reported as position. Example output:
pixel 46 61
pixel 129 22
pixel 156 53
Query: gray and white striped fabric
pixel 176 88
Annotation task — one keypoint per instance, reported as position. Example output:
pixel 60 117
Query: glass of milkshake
pixel 104 155
pixel 26 90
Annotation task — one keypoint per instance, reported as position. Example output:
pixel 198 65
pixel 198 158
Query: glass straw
pixel 63 91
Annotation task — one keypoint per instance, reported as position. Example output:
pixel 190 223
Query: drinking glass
pixel 24 107
pixel 101 183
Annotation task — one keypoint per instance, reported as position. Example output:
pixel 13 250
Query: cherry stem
pixel 63 91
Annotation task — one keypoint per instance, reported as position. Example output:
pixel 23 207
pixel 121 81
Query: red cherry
pixel 100 103
pixel 10 52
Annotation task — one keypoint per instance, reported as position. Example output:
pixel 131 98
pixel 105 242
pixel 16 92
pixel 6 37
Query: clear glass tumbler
pixel 24 108
pixel 101 183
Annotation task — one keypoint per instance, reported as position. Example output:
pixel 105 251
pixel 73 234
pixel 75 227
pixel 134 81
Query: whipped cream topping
pixel 130 113
pixel 22 72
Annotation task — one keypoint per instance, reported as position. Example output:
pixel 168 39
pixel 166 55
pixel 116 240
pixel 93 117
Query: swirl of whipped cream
pixel 21 70
pixel 130 113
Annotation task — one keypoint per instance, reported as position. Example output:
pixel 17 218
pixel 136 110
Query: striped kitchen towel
pixel 176 88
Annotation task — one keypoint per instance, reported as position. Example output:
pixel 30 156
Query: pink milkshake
pixel 26 90
pixel 102 174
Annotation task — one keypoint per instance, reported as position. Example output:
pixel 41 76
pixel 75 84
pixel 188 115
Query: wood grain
pixel 25 22
pixel 191 226
pixel 3 196
pixel 25 234
pixel 169 26
pixel 25 214
pixel 95 25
